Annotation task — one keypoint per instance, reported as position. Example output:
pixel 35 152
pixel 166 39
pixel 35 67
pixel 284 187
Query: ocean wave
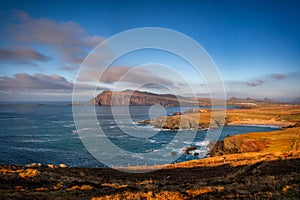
pixel 202 143
pixel 161 129
pixel 200 151
pixel 151 150
pixel 187 142
pixel 83 129
pixel 33 141
pixel 12 118
pixel 137 156
pixel 68 125
pixel 117 136
pixel 34 149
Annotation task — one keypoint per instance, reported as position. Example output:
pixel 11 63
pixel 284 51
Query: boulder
pixel 51 166
pixel 34 165
pixel 63 166
pixel 188 149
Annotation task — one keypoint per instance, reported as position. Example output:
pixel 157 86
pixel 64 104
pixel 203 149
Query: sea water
pixel 46 133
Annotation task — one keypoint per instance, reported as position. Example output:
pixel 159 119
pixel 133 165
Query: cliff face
pixel 237 144
pixel 138 98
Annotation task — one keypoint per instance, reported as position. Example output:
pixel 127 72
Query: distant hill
pixel 140 98
pixel 297 101
pixel 248 100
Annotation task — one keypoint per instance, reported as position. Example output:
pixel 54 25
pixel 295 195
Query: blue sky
pixel 255 44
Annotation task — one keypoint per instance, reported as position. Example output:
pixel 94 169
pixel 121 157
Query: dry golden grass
pixel 203 190
pixel 82 187
pixel 162 195
pixel 28 173
pixel 114 185
pixel 284 115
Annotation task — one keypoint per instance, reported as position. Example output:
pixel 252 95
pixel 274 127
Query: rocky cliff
pixel 138 98
pixel 231 145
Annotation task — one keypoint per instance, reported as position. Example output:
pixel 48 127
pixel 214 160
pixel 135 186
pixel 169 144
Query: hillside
pixel 139 98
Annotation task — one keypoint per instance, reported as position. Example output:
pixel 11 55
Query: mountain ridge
pixel 141 98
pixel 144 98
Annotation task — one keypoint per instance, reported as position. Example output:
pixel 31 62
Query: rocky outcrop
pixel 186 120
pixel 182 122
pixel 188 149
pixel 232 145
pixel 138 98
pixel 243 145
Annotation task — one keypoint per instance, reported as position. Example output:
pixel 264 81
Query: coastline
pixel 256 165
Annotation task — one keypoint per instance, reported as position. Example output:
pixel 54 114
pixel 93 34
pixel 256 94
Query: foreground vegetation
pixel 239 176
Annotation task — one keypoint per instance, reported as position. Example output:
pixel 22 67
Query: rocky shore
pixel 282 116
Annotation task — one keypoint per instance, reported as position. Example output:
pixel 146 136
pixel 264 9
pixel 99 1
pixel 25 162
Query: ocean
pixel 46 133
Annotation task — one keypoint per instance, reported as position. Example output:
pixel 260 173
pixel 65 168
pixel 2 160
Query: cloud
pixel 22 55
pixel 116 74
pixel 69 68
pixel 255 83
pixel 67 38
pixel 279 76
pixel 133 75
pixel 42 82
pixel 24 81
pixel 153 86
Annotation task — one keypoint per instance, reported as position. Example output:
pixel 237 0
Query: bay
pixel 34 132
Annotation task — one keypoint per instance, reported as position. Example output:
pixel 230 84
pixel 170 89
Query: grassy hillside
pixel 275 114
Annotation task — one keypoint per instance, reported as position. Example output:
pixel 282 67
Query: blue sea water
pixel 46 133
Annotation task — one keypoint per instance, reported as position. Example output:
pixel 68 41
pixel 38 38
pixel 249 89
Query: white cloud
pixel 24 81
pixel 68 39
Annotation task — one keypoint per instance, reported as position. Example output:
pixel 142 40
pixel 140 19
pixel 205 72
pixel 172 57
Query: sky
pixel 254 44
